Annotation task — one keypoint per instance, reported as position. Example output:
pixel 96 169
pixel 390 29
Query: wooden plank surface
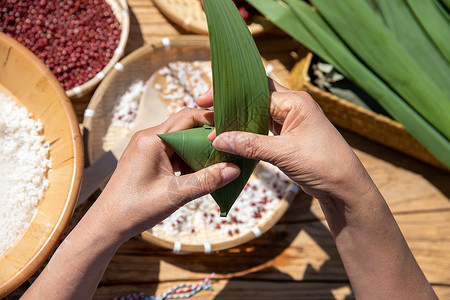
pixel 297 258
pixel 300 250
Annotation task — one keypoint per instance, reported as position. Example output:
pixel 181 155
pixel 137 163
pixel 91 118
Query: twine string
pixel 181 291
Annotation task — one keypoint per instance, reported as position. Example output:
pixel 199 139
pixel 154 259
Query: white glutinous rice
pixel 24 164
pixel 125 110
pixel 184 83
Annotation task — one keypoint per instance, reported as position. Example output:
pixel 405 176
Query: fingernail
pixel 230 173
pixel 224 143
pixel 203 95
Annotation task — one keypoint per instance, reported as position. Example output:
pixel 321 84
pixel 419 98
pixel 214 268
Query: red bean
pixel 75 39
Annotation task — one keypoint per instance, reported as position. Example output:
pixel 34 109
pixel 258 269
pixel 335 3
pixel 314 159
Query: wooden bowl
pixel 189 15
pixel 120 9
pixel 36 88
pixel 141 65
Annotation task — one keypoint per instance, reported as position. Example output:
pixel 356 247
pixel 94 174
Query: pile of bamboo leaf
pixel 241 98
pixel 398 51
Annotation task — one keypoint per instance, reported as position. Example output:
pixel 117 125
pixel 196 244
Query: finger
pixel 187 118
pixel 249 145
pixel 280 105
pixel 212 135
pixel 288 103
pixel 207 180
pixel 206 100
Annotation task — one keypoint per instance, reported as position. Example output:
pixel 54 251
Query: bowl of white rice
pixel 41 163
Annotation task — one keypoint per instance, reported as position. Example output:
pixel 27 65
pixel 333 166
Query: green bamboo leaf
pixel 241 98
pixel 434 23
pixel 403 23
pixel 328 43
pixel 446 3
pixel 369 38
pixel 281 15
pixel 444 11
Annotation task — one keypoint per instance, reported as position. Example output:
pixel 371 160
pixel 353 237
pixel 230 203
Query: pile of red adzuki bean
pixel 75 38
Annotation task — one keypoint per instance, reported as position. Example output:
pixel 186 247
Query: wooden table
pixel 297 259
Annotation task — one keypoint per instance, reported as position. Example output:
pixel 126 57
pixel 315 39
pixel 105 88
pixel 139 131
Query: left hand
pixel 143 190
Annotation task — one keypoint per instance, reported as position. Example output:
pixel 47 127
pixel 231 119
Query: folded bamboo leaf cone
pixel 196 150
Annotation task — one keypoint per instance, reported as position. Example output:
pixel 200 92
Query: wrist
pixel 351 201
pixel 103 225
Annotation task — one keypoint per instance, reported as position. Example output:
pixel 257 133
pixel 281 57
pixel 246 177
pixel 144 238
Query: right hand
pixel 308 147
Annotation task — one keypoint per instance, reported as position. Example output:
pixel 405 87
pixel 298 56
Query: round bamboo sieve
pixel 40 92
pixel 120 9
pixel 140 65
pixel 189 15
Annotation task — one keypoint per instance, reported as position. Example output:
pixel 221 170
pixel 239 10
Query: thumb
pixel 206 181
pixel 249 145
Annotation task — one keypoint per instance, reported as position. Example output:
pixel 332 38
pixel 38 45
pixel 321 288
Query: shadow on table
pixel 437 177
pixel 287 288
pixel 253 261
pixel 135 37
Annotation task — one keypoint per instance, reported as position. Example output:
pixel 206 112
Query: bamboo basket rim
pixel 89 123
pixel 30 261
pixel 189 15
pixel 122 13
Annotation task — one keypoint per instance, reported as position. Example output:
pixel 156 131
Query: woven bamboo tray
pixel 208 241
pixel 349 116
pixel 189 15
pixel 120 9
pixel 140 65
pixel 40 92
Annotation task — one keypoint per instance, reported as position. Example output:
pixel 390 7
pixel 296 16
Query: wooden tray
pixel 40 92
pixel 120 9
pixel 189 15
pixel 140 65
pixel 349 116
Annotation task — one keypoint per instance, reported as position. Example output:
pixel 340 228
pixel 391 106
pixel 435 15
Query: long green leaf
pixel 241 98
pixel 281 15
pixel 328 43
pixel 444 11
pixel 370 39
pixel 402 22
pixel 434 23
pixel 446 3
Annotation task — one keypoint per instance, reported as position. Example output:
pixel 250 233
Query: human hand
pixel 308 147
pixel 144 190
